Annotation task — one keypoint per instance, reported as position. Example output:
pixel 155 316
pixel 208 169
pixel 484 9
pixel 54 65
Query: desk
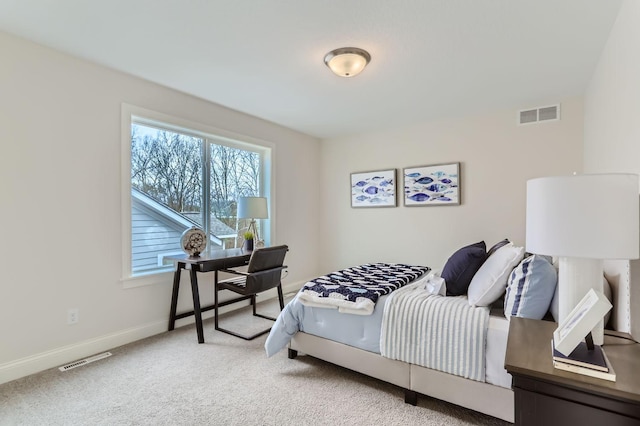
pixel 545 395
pixel 215 261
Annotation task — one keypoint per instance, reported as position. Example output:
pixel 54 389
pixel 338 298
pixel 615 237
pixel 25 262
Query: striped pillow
pixel 530 288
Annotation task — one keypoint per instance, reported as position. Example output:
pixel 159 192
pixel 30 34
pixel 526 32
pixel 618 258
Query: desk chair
pixel 263 273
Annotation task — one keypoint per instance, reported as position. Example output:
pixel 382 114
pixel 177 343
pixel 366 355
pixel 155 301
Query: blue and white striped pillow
pixel 530 288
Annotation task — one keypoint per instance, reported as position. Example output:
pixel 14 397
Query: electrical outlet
pixel 72 316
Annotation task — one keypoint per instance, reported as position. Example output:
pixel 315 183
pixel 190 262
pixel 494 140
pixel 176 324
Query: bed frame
pixel 485 398
pixel 482 397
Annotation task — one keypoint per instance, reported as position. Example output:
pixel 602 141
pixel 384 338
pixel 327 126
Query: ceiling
pixel 430 58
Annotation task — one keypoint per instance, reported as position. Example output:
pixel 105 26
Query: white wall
pixel 60 196
pixel 497 157
pixel 612 126
pixel 60 133
pixel 612 100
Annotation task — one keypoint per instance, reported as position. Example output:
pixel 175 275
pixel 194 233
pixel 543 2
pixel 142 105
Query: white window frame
pixel 131 113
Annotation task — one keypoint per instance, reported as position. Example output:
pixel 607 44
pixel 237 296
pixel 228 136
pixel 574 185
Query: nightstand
pixel 548 396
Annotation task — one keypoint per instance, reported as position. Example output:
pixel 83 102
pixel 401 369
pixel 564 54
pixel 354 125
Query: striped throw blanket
pixel 441 333
pixel 356 290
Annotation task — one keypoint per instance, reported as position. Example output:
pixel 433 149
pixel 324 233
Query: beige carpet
pixel 170 379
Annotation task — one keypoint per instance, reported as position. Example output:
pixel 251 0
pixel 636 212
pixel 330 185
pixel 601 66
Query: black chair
pixel 263 273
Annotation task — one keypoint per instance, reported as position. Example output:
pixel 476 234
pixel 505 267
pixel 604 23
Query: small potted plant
pixel 248 240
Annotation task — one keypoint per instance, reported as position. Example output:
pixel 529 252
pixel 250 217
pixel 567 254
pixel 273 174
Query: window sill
pixel 152 278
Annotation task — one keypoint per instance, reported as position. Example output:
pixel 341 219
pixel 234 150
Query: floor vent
pixel 85 361
pixel 537 115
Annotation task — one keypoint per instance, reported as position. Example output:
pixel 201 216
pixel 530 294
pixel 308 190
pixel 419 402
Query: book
pixel 583 357
pixel 609 375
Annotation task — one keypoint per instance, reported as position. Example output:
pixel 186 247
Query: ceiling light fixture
pixel 347 61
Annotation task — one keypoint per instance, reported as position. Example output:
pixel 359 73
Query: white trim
pixel 55 357
pixel 224 137
pixel 125 190
pixel 152 278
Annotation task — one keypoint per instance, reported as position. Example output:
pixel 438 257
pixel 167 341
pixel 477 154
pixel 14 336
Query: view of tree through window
pixel 167 166
pixel 172 175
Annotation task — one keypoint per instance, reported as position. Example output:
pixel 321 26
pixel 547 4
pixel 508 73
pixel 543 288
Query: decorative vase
pixel 248 245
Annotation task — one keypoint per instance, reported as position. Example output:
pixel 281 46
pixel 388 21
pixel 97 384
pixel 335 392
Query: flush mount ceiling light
pixel 347 61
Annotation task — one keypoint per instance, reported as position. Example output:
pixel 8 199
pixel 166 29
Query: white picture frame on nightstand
pixel 580 321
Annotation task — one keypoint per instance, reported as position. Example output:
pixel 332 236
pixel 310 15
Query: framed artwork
pixel 373 189
pixel 580 321
pixel 435 185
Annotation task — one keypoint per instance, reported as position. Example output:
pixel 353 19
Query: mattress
pixel 360 331
pixel 363 332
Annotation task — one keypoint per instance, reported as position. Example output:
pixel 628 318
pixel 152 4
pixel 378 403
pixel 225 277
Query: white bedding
pixel 437 332
pixel 496 350
pixel 362 332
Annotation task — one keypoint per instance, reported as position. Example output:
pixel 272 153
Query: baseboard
pixel 53 358
pixel 59 356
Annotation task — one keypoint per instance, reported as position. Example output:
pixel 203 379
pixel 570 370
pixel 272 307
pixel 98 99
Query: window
pixel 181 177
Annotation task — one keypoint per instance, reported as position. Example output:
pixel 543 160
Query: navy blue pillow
pixel 462 266
pixel 497 245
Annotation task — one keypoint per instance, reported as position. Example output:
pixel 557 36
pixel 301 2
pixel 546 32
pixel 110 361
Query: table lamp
pixel 583 219
pixel 253 208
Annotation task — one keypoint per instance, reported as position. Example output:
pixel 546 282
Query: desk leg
pixel 196 304
pixel 215 299
pixel 174 296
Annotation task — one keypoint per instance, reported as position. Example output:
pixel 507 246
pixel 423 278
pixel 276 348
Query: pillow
pixel 496 246
pixel 462 266
pixel 530 288
pixel 606 289
pixel 490 281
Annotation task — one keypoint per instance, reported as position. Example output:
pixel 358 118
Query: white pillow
pixel 490 281
pixel 530 288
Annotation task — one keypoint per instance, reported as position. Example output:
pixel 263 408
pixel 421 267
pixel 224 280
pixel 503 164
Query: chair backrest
pixel 267 258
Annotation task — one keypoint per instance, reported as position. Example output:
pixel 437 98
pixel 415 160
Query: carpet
pixel 170 379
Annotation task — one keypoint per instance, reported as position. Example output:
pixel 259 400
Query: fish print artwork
pixel 373 189
pixel 432 185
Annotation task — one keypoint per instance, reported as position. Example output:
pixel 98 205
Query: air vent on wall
pixel 537 115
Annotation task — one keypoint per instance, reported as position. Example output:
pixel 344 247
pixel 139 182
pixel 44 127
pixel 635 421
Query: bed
pixel 501 282
pixel 493 397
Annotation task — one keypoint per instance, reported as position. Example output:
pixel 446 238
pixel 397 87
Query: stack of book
pixel 592 363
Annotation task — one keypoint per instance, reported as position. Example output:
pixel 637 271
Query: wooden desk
pixel 545 395
pixel 213 262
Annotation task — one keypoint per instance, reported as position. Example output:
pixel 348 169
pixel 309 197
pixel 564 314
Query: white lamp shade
pixel 252 208
pixel 586 216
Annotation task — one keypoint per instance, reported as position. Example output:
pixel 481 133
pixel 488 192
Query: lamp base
pixel 253 228
pixel 576 277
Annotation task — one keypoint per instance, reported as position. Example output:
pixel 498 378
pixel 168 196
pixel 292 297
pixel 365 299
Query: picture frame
pixel 374 189
pixel 432 185
pixel 580 321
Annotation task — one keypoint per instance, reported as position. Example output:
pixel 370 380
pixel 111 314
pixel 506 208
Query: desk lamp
pixel 253 208
pixel 583 219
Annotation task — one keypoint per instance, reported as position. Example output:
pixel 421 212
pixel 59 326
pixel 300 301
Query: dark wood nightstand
pixel 548 396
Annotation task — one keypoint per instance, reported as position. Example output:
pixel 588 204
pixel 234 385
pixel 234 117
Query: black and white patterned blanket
pixel 356 290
